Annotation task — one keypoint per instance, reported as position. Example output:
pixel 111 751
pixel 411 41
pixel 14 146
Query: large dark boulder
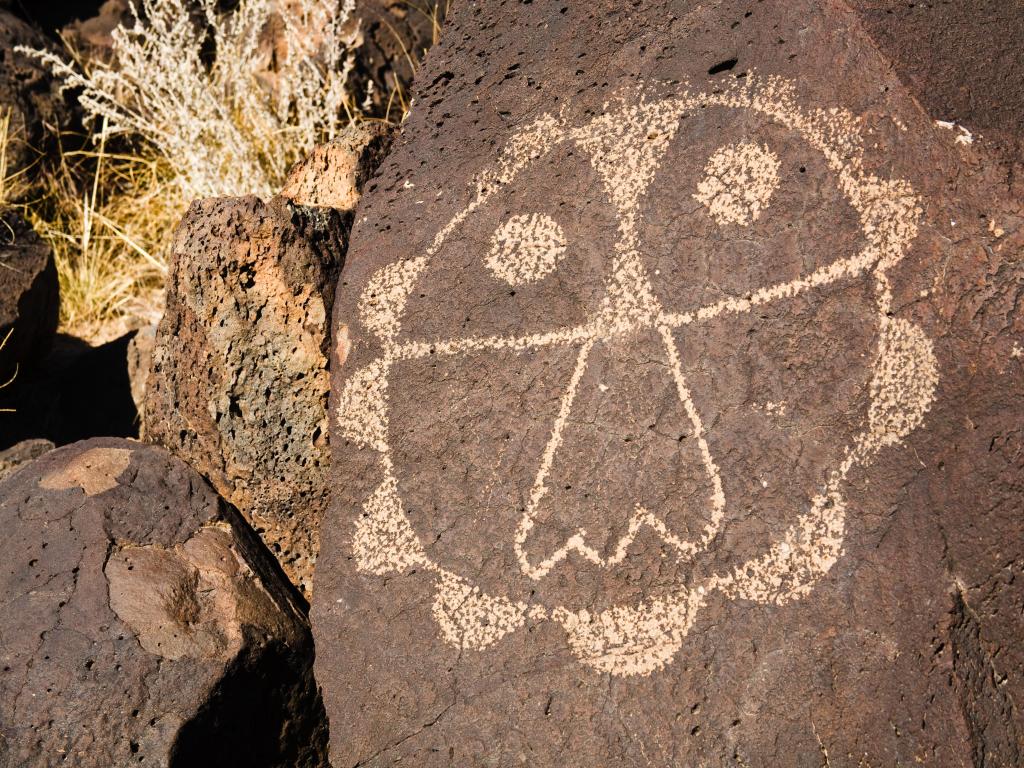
pixel 676 407
pixel 144 623
pixel 238 385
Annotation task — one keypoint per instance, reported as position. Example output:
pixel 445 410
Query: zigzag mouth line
pixel 640 519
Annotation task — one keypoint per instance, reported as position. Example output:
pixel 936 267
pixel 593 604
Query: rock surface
pixel 962 62
pixel 22 453
pixel 91 35
pixel 144 623
pixel 676 412
pixel 140 360
pixel 238 386
pixel 29 296
pixel 334 173
pixel 30 98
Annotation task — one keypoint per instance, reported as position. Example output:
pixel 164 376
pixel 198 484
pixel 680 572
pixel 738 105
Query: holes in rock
pixel 723 66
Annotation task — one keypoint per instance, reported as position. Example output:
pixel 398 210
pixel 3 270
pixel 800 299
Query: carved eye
pixel 738 182
pixel 526 248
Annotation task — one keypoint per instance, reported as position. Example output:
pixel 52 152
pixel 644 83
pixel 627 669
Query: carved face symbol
pixel 610 359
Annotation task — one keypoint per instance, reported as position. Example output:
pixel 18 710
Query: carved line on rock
pixel 625 145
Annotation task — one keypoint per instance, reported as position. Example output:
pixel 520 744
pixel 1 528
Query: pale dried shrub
pixel 186 80
pixel 197 108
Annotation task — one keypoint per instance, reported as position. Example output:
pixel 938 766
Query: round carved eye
pixel 738 182
pixel 526 248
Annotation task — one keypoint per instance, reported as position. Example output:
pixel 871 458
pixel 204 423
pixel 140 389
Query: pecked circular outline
pixel 637 640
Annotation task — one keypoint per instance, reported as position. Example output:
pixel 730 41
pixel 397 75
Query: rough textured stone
pixel 91 35
pixel 239 384
pixel 22 453
pixel 140 359
pixel 676 413
pixel 334 173
pixel 144 623
pixel 962 62
pixel 29 296
pixel 30 97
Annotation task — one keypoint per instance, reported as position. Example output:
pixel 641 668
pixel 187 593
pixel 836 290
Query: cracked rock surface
pixel 678 374
pixel 144 623
pixel 238 383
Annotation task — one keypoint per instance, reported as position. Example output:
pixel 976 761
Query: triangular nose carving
pixel 625 454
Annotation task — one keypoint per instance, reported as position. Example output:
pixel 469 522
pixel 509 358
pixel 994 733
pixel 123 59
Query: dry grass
pixel 184 127
pixel 169 125
pixel 13 376
pixel 434 12
pixel 13 183
pixel 107 216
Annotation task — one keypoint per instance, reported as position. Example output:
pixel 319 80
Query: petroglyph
pixel 625 146
pixel 738 183
pixel 526 248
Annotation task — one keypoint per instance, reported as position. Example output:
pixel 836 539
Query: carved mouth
pixel 641 519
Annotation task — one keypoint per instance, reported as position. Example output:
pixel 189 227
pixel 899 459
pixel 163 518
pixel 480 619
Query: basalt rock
pixel 22 453
pixel 144 623
pixel 239 384
pixel 29 297
pixel 961 61
pixel 91 35
pixel 676 407
pixel 140 359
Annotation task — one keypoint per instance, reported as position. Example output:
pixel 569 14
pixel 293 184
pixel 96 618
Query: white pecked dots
pixel 526 248
pixel 626 145
pixel 738 182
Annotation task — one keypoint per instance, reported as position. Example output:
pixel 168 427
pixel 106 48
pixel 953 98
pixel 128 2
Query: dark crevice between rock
pixel 77 392
pixel 988 710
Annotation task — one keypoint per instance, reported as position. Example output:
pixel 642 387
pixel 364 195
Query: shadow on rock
pixel 78 392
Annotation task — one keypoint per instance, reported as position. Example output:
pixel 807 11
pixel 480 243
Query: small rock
pixel 144 622
pixel 334 173
pixel 140 357
pixel 92 36
pixel 239 383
